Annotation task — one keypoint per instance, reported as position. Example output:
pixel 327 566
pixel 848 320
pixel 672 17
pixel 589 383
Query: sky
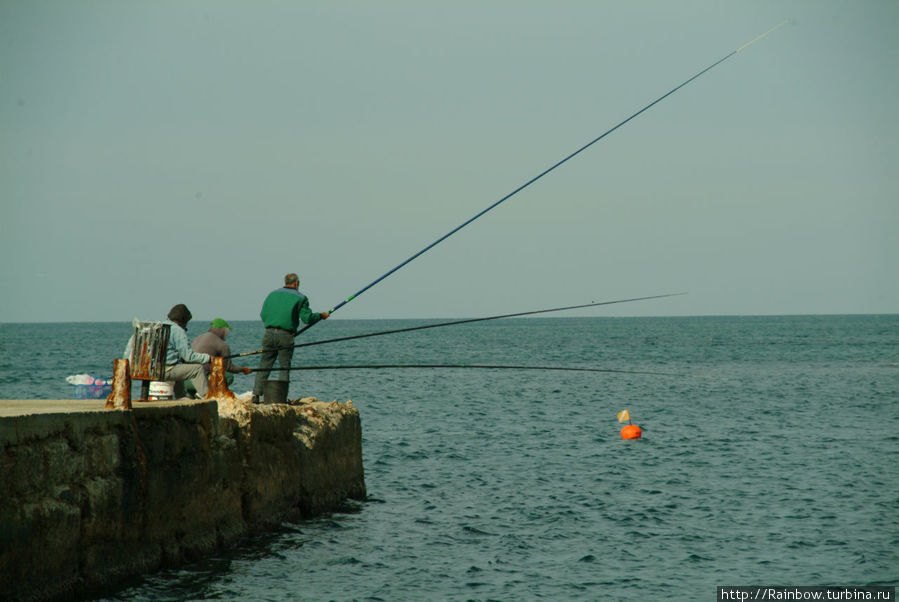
pixel 155 153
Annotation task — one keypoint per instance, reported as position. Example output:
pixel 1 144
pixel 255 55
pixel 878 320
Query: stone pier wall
pixel 90 497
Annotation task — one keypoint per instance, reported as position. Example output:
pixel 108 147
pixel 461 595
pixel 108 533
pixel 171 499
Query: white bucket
pixel 161 390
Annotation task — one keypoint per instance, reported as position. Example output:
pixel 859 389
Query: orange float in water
pixel 631 431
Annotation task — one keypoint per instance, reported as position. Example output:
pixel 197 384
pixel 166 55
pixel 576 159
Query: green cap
pixel 220 323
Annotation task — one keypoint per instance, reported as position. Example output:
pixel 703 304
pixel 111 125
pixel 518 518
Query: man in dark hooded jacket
pixel 181 362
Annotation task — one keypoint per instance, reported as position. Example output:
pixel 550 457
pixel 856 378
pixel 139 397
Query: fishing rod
pixel 454 323
pixel 486 367
pixel 545 172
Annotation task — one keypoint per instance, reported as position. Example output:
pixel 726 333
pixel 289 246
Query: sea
pixel 769 456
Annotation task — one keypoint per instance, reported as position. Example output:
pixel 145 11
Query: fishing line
pixel 487 367
pixel 545 172
pixel 454 323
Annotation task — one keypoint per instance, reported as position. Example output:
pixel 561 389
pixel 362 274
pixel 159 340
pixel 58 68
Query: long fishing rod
pixel 486 367
pixel 546 171
pixel 454 323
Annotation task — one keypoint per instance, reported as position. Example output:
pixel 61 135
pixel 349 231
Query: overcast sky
pixel 154 153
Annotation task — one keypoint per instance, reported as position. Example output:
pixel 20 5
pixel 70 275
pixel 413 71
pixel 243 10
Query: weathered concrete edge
pixel 91 498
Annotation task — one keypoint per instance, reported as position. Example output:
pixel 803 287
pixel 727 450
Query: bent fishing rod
pixel 454 323
pixel 545 172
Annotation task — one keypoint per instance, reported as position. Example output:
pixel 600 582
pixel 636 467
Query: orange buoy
pixel 631 431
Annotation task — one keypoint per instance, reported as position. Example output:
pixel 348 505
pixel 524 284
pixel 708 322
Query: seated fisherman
pixel 181 362
pixel 212 342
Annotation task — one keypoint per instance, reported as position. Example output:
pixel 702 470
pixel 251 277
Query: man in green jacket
pixel 281 314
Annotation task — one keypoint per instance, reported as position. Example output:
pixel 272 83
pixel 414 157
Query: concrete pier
pixel 90 496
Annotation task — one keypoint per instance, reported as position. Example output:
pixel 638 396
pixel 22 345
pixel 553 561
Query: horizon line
pixel 765 315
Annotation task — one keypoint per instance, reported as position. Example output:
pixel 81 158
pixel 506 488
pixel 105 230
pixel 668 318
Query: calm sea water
pixel 769 456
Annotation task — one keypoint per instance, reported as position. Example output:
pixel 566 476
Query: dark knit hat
pixel 180 315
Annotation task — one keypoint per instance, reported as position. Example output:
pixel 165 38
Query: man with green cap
pixel 212 342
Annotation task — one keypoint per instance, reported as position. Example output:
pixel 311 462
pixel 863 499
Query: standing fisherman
pixel 281 314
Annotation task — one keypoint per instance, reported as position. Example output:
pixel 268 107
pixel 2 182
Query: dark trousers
pixel 271 341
